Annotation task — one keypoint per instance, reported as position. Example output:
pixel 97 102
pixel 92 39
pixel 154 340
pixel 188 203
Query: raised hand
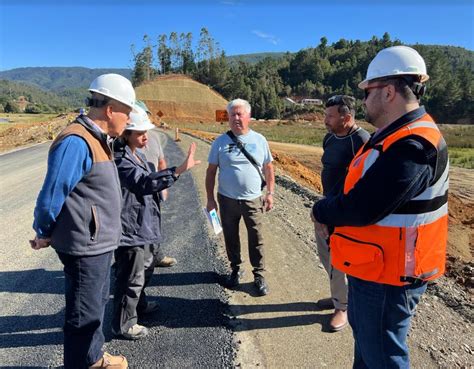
pixel 189 162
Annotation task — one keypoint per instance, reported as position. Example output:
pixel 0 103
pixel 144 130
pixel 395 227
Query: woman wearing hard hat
pixel 141 223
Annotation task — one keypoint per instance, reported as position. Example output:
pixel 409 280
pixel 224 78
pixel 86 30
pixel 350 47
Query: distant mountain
pixel 58 79
pixel 11 91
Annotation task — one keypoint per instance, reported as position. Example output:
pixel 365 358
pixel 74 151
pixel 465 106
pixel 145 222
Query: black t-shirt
pixel 338 153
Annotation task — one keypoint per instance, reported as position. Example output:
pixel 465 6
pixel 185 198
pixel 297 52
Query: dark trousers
pixel 152 256
pixel 380 316
pixel 134 268
pixel 87 280
pixel 252 211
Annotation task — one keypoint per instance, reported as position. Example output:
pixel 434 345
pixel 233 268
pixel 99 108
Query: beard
pixel 368 117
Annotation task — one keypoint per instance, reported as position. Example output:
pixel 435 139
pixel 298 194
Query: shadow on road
pixel 240 325
pixel 183 279
pixel 29 323
pixel 32 339
pixel 287 319
pixel 32 281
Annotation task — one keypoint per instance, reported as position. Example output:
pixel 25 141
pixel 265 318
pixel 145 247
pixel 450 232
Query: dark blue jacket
pixel 141 217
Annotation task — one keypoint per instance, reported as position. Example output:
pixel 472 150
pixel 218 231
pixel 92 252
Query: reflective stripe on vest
pixel 408 244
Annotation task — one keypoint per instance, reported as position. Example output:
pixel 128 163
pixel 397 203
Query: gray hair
pixel 239 102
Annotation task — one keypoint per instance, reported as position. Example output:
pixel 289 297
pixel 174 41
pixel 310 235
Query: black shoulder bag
pixel 249 157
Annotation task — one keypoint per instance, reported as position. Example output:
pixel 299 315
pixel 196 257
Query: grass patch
pixel 305 133
pixel 457 135
pixel 23 118
pixel 461 157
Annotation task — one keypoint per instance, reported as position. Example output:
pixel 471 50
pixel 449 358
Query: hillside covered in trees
pixel 264 79
pixel 49 89
pixel 36 99
pixel 316 72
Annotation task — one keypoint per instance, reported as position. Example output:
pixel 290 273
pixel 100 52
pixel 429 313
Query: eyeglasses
pixel 367 90
pixel 341 100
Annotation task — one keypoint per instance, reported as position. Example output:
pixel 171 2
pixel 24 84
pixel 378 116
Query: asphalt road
pixel 191 328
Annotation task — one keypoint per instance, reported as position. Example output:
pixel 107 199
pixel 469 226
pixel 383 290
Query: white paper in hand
pixel 214 220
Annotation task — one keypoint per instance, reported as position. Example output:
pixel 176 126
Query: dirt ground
pixel 18 135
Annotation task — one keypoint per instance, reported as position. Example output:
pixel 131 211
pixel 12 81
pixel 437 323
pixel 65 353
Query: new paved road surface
pixel 190 330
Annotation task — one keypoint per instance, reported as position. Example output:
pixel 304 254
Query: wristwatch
pixel 270 193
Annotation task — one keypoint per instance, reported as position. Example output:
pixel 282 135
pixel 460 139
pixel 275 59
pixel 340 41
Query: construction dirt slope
pixel 178 97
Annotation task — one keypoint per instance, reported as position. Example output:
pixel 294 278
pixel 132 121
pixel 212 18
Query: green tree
pixel 11 107
pixel 175 52
pixel 164 54
pixel 188 65
pixel 143 69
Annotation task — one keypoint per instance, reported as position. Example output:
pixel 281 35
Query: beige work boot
pixel 166 262
pixel 338 320
pixel 110 362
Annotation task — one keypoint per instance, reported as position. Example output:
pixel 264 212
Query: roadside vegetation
pixel 314 72
pixel 460 138
pixel 17 120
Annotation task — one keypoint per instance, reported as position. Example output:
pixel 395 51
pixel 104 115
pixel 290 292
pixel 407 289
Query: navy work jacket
pixel 141 217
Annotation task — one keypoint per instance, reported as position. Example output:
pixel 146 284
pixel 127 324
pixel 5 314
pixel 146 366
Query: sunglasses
pixel 367 90
pixel 341 100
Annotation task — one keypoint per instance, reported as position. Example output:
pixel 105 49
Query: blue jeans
pixel 87 283
pixel 380 316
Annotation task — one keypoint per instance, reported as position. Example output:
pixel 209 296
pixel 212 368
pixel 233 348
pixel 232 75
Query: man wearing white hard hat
pixel 78 213
pixel 141 224
pixel 391 220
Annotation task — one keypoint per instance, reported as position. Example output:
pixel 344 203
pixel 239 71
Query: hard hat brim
pixel 114 98
pixel 145 127
pixel 363 85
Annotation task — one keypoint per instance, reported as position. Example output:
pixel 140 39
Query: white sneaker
pixel 135 332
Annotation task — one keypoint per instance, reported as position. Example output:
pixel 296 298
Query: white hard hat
pixel 395 61
pixel 139 120
pixel 116 87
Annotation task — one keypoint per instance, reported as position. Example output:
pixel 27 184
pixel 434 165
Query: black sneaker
pixel 233 279
pixel 262 287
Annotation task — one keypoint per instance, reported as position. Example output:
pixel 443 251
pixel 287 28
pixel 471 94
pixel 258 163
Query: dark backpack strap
pixel 249 157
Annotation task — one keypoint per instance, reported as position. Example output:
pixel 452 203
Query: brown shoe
pixel 338 320
pixel 110 362
pixel 166 262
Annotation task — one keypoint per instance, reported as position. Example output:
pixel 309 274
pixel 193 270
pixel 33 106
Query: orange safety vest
pixel 400 248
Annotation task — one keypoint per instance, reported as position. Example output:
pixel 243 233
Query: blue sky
pixel 98 33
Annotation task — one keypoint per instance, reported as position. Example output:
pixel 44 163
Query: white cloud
pixel 266 36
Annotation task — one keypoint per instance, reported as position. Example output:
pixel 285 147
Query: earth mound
pixel 179 97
